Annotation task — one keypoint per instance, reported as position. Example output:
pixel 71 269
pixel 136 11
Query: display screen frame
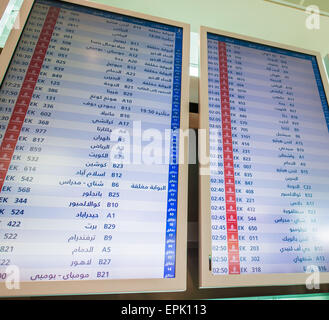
pixel 206 278
pixel 112 286
pixel 326 63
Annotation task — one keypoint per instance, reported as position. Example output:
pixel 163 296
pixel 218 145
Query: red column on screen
pixel 230 197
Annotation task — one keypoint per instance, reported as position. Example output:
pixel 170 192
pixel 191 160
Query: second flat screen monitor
pixel 264 191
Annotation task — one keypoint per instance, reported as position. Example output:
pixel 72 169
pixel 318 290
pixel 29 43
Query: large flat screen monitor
pixel 264 174
pixel 93 186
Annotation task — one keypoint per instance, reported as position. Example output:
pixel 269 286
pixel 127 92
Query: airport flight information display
pixel 269 155
pixel 78 200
